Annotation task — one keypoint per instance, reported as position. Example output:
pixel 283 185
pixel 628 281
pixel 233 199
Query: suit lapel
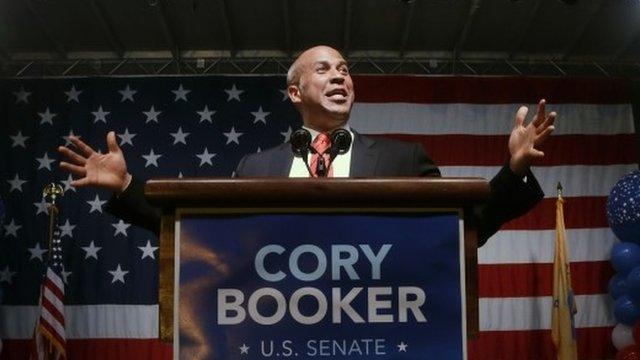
pixel 280 163
pixel 364 157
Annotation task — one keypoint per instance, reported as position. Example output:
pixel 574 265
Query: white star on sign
pixel 118 274
pixel 402 347
pixel 65 274
pixel 68 142
pixel 151 158
pixel 67 229
pixel 16 183
pixel 96 204
pixel 72 94
pixel 46 117
pixel 205 114
pixel 181 93
pixel 205 157
pixel 41 207
pixel 260 115
pixel 286 134
pixel 22 95
pixel 232 136
pixel 234 93
pixel 19 140
pixel 126 137
pixel 37 252
pixel 67 184
pixel 127 94
pixel 100 115
pixel 12 228
pixel 6 275
pixel 244 349
pixel 179 137
pixel 121 228
pixel 148 250
pixel 91 251
pixel 44 162
pixel 285 94
pixel 152 115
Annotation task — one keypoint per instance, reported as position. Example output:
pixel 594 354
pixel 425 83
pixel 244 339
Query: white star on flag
pixel 179 136
pixel 91 251
pixel 118 274
pixel 72 94
pixel 205 114
pixel 100 115
pixel 66 139
pixel 41 207
pixel 46 117
pixel 37 252
pixel 285 94
pixel 121 228
pixel 260 116
pixel 65 274
pixel 244 349
pixel 67 229
pixel 234 93
pixel 152 115
pixel 232 136
pixel 16 183
pixel 126 137
pixel 22 95
pixel 205 157
pixel 402 347
pixel 6 275
pixel 19 140
pixel 286 134
pixel 44 162
pixel 148 250
pixel 127 94
pixel 12 228
pixel 151 158
pixel 67 184
pixel 96 204
pixel 181 93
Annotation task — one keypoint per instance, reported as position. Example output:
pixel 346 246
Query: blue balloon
pixel 623 208
pixel 618 286
pixel 625 256
pixel 633 283
pixel 626 311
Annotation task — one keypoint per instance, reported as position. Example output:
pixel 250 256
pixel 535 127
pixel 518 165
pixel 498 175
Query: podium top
pixel 305 192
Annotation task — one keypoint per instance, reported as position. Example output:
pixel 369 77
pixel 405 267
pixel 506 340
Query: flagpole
pixel 51 193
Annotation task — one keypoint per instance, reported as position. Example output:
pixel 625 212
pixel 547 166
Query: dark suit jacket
pixel 370 157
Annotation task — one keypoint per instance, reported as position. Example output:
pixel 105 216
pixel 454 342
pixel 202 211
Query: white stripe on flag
pixel 481 119
pixel 85 321
pixel 538 246
pixel 54 300
pixel 534 313
pixel 55 279
pixel 577 180
pixel 53 322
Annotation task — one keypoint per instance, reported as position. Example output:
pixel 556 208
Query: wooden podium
pixel 174 195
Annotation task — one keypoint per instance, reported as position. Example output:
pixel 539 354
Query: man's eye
pixel 321 70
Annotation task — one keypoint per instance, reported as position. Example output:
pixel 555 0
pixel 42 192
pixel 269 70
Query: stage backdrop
pixel 201 126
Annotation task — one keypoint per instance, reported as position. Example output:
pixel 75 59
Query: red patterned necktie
pixel 320 159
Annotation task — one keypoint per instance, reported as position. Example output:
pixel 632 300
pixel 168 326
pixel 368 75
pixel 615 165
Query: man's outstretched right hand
pixel 91 168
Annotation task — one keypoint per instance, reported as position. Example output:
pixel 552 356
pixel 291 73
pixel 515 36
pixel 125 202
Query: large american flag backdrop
pixel 202 126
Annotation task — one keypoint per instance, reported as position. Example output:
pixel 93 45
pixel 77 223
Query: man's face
pixel 325 90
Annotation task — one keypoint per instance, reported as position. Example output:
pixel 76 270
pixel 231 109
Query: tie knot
pixel 322 142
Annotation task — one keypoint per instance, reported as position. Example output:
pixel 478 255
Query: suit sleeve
pixel 132 207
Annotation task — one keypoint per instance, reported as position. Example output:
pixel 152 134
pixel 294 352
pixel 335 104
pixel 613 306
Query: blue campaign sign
pixel 321 285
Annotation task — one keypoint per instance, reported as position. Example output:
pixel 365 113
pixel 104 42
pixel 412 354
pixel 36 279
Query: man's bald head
pixel 304 59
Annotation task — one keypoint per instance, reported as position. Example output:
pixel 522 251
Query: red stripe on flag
pixel 491 90
pixel 593 343
pixel 529 280
pixel 53 310
pixel 462 150
pixel 59 293
pixel 53 333
pixel 580 213
pixel 97 349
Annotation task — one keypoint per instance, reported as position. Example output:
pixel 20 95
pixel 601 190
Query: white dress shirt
pixel 341 164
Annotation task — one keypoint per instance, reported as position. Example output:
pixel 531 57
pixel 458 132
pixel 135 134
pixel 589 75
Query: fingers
pixel 72 155
pixel 541 114
pixel 549 121
pixel 81 182
pixel 74 169
pixel 83 148
pixel 112 144
pixel 521 115
pixel 542 137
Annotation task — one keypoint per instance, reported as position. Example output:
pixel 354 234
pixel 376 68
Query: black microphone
pixel 300 146
pixel 340 143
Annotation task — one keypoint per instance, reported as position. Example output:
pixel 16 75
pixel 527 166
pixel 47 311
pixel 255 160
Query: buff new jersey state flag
pixel 563 329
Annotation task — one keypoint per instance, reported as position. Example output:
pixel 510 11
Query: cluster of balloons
pixel 623 212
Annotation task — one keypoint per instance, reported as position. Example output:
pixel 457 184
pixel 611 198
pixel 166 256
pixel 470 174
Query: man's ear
pixel 294 94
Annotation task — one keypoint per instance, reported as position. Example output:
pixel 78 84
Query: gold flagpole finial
pixel 559 188
pixel 52 192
